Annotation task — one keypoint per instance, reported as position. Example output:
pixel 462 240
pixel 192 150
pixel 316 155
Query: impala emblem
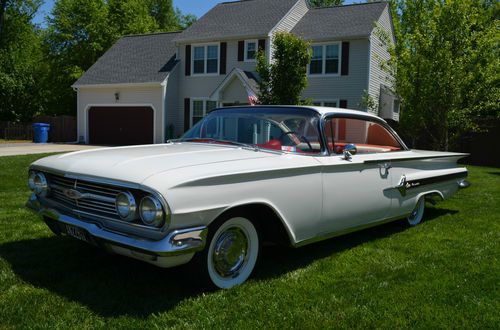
pixel 73 194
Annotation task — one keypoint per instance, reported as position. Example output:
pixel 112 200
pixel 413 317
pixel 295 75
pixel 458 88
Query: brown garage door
pixel 120 125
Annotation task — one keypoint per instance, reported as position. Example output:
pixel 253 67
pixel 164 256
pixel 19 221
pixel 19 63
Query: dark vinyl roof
pixel 144 58
pixel 338 22
pixel 238 19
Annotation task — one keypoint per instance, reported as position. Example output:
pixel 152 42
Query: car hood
pixel 136 163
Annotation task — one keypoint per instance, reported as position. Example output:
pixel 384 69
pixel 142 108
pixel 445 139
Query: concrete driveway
pixel 13 149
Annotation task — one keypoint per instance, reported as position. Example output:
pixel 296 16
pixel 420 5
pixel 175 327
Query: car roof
pixel 322 111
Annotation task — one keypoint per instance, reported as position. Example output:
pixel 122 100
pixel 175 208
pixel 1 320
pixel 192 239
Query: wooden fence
pixel 62 129
pixel 15 131
pixel 484 147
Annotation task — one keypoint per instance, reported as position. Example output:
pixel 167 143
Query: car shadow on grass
pixel 114 286
pixel 278 260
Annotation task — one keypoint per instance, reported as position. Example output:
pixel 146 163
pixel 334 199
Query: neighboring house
pixel 149 88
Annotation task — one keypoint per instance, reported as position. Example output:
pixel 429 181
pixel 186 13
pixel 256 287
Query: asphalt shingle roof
pixel 134 59
pixel 238 19
pixel 339 22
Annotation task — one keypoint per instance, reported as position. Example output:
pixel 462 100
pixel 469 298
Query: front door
pixel 359 190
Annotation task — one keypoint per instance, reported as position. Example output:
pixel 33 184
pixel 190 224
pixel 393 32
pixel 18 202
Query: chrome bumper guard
pixel 178 242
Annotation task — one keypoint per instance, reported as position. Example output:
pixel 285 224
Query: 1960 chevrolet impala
pixel 239 177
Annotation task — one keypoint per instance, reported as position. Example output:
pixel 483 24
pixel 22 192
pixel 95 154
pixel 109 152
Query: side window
pixel 368 136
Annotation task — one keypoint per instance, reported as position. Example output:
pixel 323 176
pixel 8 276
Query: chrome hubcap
pixel 230 252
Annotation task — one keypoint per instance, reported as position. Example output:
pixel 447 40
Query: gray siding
pixel 349 87
pixel 235 92
pixel 378 54
pixel 294 16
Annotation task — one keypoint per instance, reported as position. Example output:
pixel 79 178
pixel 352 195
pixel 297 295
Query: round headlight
pixel 38 184
pixel 125 206
pixel 151 211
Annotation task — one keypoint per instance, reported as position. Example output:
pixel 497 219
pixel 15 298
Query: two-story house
pixel 148 88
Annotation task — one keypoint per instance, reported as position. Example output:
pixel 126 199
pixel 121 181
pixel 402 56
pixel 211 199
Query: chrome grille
pixel 94 199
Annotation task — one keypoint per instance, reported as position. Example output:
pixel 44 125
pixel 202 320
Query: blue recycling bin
pixel 41 132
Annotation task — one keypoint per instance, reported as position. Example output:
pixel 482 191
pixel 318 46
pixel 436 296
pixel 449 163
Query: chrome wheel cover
pixel 230 252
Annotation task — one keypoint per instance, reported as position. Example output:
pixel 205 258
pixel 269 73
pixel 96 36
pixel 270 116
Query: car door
pixel 357 190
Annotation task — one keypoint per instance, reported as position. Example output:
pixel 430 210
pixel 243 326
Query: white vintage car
pixel 240 177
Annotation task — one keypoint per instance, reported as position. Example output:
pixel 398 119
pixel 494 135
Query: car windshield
pixel 293 130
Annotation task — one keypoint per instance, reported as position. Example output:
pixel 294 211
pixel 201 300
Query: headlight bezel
pixel 131 214
pixel 37 182
pixel 157 216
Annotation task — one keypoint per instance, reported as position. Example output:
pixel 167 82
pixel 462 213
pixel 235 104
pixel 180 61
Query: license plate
pixel 77 233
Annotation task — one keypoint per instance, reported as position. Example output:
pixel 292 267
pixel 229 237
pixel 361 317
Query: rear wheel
pixel 417 214
pixel 232 252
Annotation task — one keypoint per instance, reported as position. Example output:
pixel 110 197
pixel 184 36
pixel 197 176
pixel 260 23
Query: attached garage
pixel 129 96
pixel 121 125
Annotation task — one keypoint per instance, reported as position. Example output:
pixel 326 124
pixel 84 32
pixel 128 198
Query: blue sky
pixel 196 7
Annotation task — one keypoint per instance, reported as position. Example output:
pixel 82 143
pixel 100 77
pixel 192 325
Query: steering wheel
pixel 300 137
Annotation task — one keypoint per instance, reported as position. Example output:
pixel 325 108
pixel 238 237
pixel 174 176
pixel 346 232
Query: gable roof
pixel 134 59
pixel 248 18
pixel 331 23
pixel 247 79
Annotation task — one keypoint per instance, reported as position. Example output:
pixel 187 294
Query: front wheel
pixel 417 214
pixel 232 252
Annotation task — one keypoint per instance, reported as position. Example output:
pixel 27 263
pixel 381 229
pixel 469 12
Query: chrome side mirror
pixel 349 151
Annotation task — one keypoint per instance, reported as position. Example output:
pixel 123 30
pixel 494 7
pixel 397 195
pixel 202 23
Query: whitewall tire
pixel 417 214
pixel 232 252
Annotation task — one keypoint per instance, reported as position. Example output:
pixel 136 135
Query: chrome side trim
pixel 404 184
pixel 177 242
pixel 405 159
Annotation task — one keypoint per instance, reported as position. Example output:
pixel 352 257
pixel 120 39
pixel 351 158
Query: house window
pixel 325 59
pixel 316 66
pixel 200 109
pixel 395 106
pixel 206 59
pixel 250 50
pixel 211 105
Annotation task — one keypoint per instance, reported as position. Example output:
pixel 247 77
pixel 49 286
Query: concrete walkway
pixel 13 149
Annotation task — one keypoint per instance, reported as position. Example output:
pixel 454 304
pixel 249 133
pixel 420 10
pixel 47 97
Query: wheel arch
pixel 432 196
pixel 274 230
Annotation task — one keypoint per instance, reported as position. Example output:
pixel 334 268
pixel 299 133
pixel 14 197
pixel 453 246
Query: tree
pixel 446 63
pixel 185 20
pixel 284 79
pixel 325 3
pixel 164 14
pixel 21 62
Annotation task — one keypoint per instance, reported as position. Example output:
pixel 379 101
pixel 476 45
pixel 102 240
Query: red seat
pixel 271 144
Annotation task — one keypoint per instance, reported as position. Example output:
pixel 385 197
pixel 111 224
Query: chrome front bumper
pixel 176 248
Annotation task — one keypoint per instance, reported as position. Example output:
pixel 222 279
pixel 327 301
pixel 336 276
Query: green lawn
pixel 441 274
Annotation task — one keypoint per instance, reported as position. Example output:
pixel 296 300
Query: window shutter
pixel 345 59
pixel 187 113
pixel 262 44
pixel 241 51
pixel 188 60
pixel 343 104
pixel 223 57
